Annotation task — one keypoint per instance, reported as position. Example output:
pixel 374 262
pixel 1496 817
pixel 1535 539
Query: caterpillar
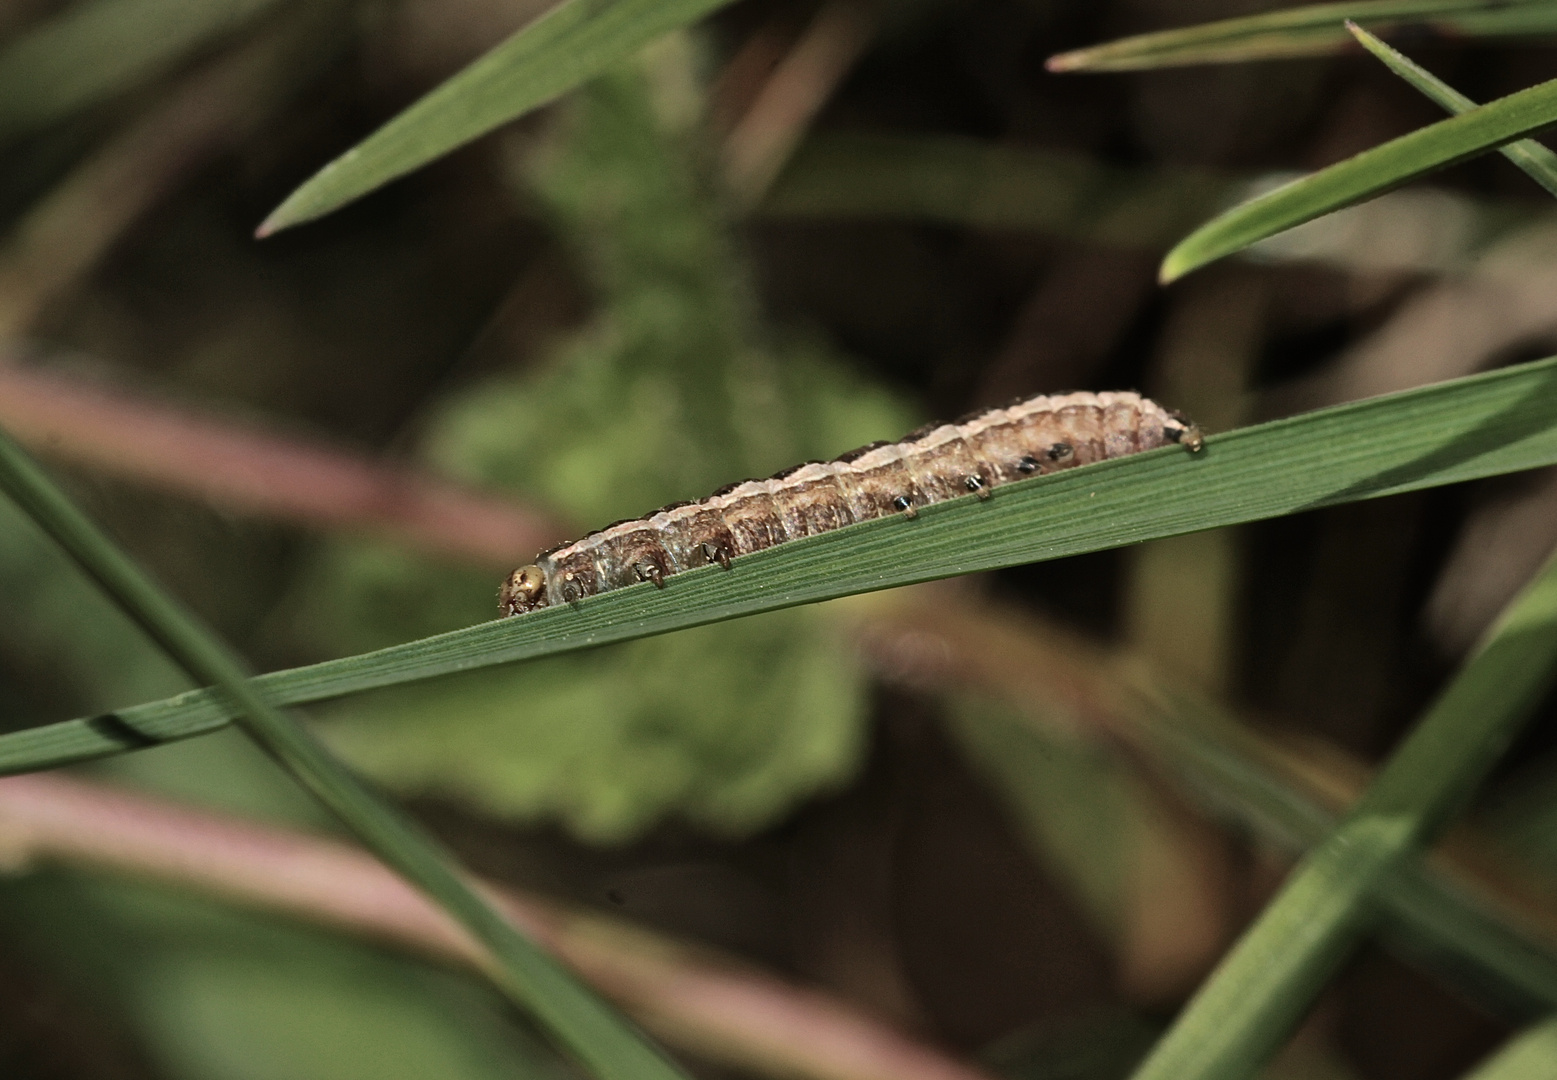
pixel 973 455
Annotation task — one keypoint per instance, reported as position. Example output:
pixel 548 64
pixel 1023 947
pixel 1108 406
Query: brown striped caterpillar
pixel 973 455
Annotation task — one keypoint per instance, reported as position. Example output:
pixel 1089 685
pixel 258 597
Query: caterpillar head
pixel 523 590
pixel 1185 432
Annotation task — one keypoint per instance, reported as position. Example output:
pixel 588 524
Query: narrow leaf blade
pixel 1369 173
pixel 573 42
pixel 1539 163
pixel 1312 30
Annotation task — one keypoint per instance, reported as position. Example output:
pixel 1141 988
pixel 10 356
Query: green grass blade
pixel 582 1023
pixel 1483 128
pixel 1311 30
pixel 101 48
pixel 1539 163
pixel 1485 425
pixel 1432 919
pixel 573 42
pixel 1261 989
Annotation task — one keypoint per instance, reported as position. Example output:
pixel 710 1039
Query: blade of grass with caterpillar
pixel 1484 425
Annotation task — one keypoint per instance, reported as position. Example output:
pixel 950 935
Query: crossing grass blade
pixel 599 1038
pixel 1262 988
pixel 1430 916
pixel 573 42
pixel 1312 30
pixel 97 49
pixel 1539 163
pixel 1500 422
pixel 1369 173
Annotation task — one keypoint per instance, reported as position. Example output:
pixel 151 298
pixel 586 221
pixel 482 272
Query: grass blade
pixel 1539 163
pixel 1485 425
pixel 1432 917
pixel 582 1023
pixel 1311 30
pixel 1264 986
pixel 573 42
pixel 96 50
pixel 1483 128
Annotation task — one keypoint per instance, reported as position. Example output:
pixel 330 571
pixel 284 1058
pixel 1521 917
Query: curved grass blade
pixel 1312 30
pixel 573 42
pixel 1484 425
pixel 1261 989
pixel 98 49
pixel 1486 127
pixel 599 1038
pixel 1539 163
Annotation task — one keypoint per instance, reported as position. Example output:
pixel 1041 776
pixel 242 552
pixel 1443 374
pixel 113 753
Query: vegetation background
pixel 965 828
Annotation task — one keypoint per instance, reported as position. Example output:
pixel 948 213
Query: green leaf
pixel 1262 988
pixel 101 48
pixel 573 42
pixel 1485 425
pixel 1483 128
pixel 1539 163
pixel 1312 30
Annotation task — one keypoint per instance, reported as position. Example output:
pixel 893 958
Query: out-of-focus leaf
pixel 1484 425
pixel 1527 1056
pixel 99 48
pixel 214 994
pixel 1310 31
pixel 1070 799
pixel 572 43
pixel 1539 163
pixel 721 727
pixel 1368 173
pixel 986 185
pixel 1098 1044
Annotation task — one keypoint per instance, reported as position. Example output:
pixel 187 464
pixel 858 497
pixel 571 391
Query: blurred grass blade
pixel 1539 163
pixel 1261 989
pixel 1527 1056
pixel 1485 425
pixel 573 42
pixel 101 48
pixel 1309 31
pixel 1483 128
pixel 984 185
pixel 581 1022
